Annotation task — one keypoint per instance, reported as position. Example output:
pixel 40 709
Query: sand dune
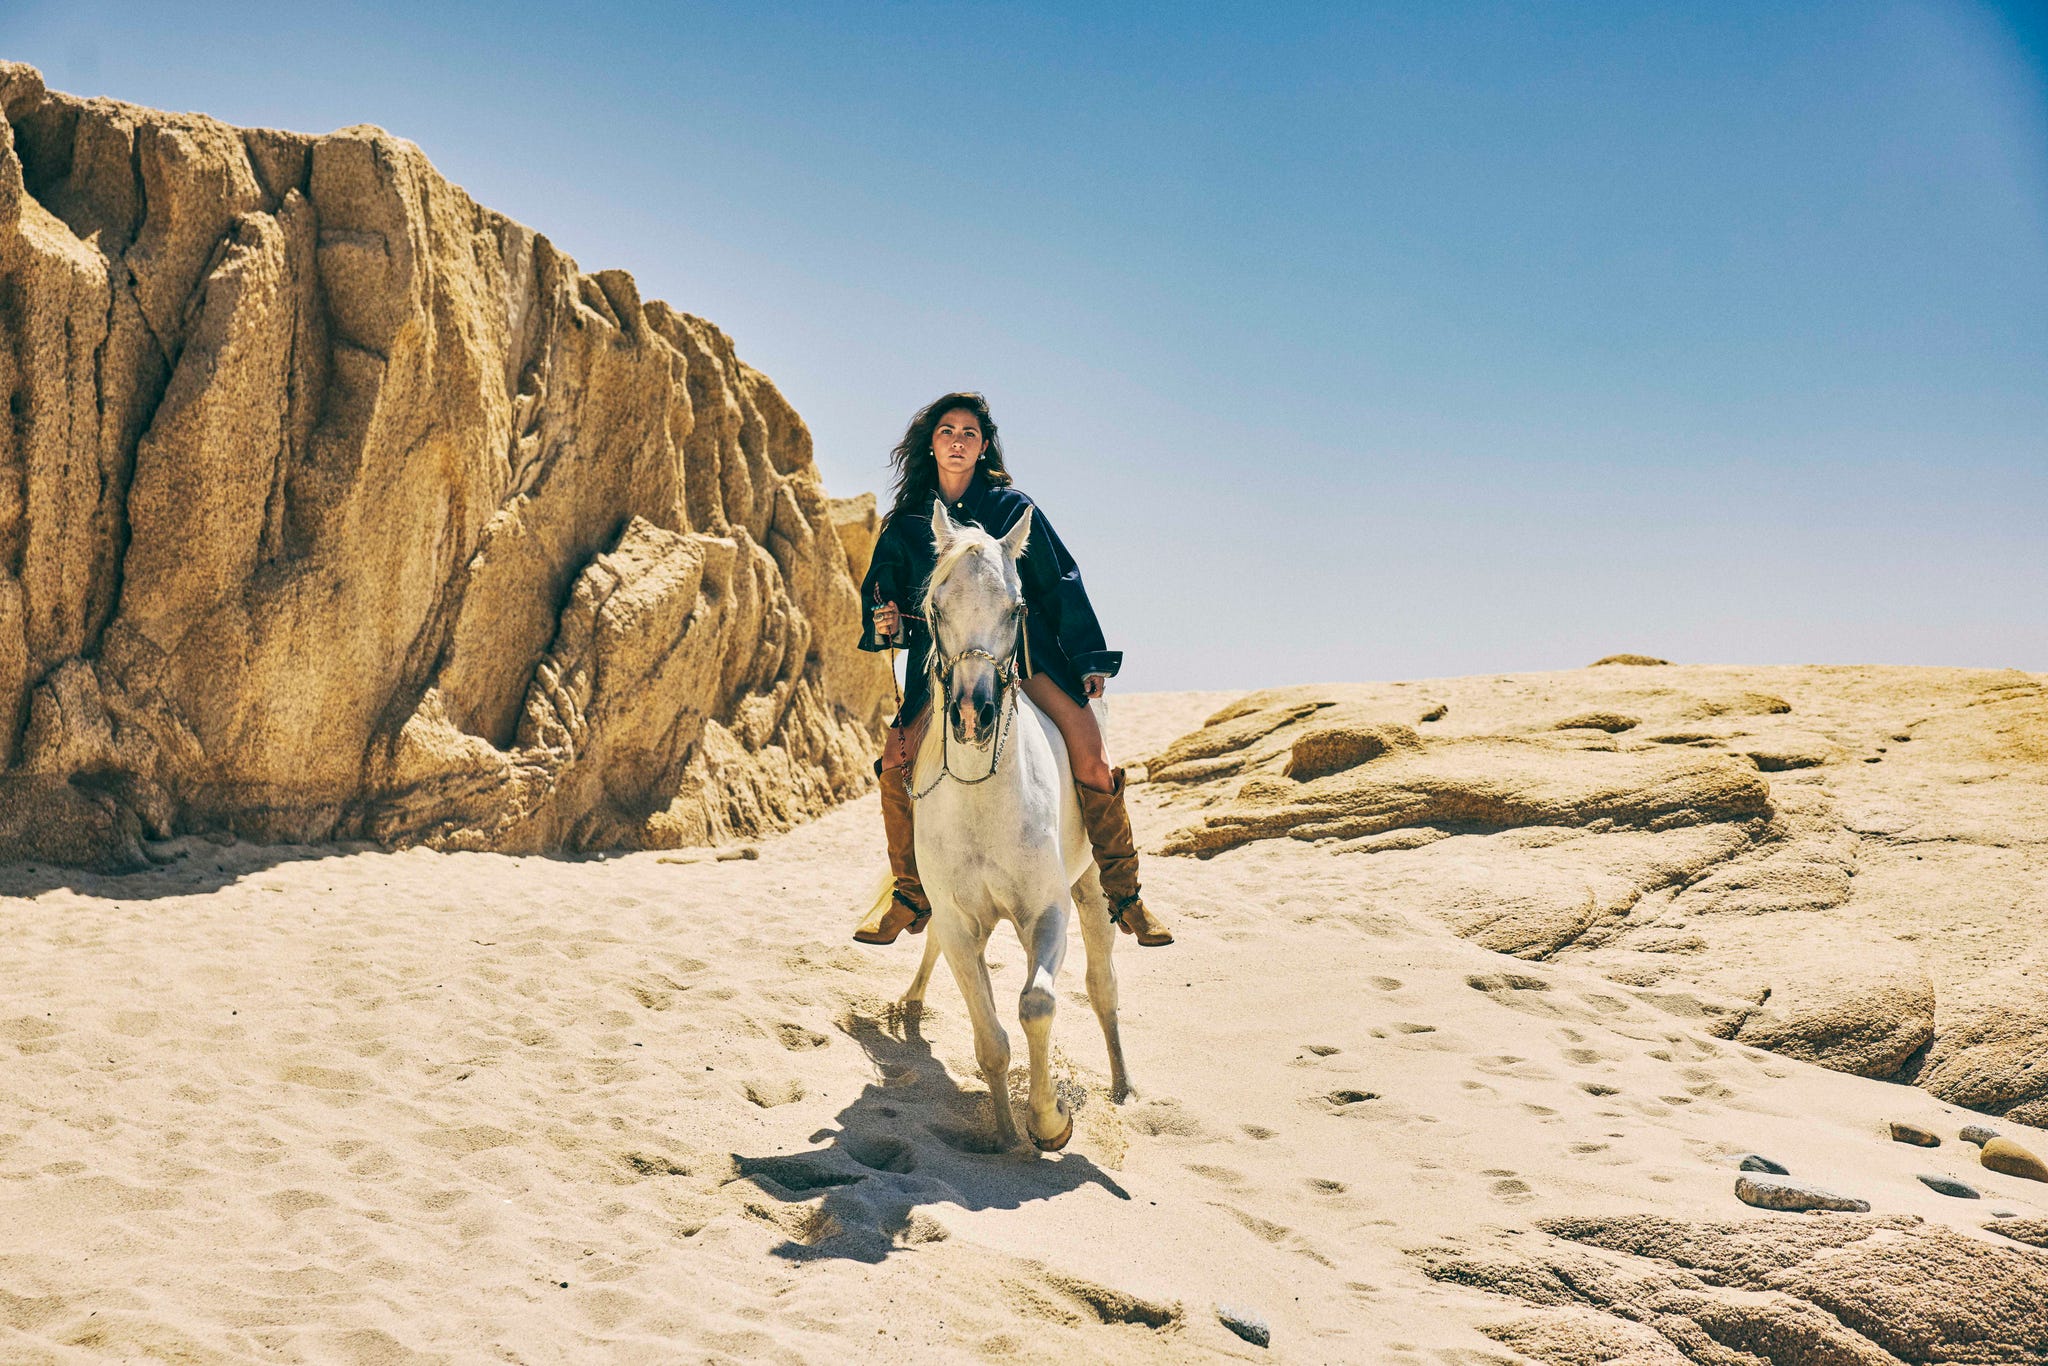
pixel 285 1104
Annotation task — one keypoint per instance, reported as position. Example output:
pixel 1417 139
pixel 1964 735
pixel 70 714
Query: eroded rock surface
pixel 1844 865
pixel 1835 1288
pixel 336 505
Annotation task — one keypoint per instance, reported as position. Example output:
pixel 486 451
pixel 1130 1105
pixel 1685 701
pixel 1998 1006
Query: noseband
pixel 1007 680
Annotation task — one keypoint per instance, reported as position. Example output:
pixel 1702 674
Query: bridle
pixel 1008 678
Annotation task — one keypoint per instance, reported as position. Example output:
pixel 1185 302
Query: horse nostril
pixel 987 714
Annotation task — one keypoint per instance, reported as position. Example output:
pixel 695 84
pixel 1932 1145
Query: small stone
pixel 2004 1155
pixel 1757 1162
pixel 1942 1185
pixel 1789 1195
pixel 1247 1325
pixel 1914 1134
pixel 1979 1134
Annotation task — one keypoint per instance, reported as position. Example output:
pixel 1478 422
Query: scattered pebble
pixel 1979 1134
pixel 1757 1162
pixel 1790 1195
pixel 1914 1134
pixel 1943 1185
pixel 1247 1325
pixel 2004 1155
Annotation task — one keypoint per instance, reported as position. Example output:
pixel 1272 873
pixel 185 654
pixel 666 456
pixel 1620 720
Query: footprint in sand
pixel 1222 1176
pixel 1384 983
pixel 656 992
pixel 1057 1296
pixel 1324 1186
pixel 882 1154
pixel 1279 1235
pixel 1258 1131
pixel 1594 1088
pixel 1165 1119
pixel 769 1094
pixel 1343 1102
pixel 1510 1065
pixel 961 1140
pixel 797 1039
pixel 1510 1189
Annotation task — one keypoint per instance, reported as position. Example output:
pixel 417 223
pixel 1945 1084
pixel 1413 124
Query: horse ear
pixel 943 529
pixel 1016 536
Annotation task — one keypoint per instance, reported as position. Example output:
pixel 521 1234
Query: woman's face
pixel 957 443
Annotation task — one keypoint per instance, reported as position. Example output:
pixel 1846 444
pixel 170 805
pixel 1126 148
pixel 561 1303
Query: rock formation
pixel 1825 1288
pixel 1846 866
pixel 334 505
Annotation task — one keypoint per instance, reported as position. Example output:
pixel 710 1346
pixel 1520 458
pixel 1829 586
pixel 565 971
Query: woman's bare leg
pixel 1079 727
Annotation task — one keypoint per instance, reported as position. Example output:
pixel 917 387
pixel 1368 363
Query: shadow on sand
pixel 197 864
pixel 912 1138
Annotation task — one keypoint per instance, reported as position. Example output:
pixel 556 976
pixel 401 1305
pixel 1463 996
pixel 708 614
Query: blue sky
pixel 1340 341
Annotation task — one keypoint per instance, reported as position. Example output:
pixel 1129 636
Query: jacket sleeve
pixel 1052 585
pixel 887 569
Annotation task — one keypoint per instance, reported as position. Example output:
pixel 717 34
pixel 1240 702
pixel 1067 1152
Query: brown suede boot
pixel 1116 859
pixel 909 910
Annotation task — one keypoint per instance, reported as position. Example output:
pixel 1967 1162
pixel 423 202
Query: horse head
pixel 974 607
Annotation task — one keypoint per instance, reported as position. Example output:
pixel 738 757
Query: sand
pixel 288 1104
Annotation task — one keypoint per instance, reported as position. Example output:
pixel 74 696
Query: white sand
pixel 291 1105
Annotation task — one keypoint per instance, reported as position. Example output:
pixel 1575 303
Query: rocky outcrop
pixel 1823 1288
pixel 1840 865
pixel 334 505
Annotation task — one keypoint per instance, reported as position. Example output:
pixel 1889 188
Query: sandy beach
pixel 288 1104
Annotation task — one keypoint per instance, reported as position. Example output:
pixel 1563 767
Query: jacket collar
pixel 969 503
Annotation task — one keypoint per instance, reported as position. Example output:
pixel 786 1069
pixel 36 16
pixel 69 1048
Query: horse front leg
pixel 965 949
pixel 913 999
pixel 1051 1126
pixel 1098 936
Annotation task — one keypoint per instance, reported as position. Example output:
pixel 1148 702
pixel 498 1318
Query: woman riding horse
pixel 951 453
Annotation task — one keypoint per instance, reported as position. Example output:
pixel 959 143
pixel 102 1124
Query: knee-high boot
pixel 908 908
pixel 1116 859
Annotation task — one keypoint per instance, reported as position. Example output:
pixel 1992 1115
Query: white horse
pixel 999 833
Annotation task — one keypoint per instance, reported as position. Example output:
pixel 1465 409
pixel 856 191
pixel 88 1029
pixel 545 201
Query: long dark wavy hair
pixel 917 472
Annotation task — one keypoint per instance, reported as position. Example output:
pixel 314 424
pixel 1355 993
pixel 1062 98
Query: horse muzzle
pixel 975 711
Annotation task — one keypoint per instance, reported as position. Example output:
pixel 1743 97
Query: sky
pixel 1339 342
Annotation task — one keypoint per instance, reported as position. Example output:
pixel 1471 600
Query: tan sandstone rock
pixel 338 505
pixel 1822 1287
pixel 1841 865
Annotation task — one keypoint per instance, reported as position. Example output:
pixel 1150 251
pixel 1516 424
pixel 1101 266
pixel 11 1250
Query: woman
pixel 950 452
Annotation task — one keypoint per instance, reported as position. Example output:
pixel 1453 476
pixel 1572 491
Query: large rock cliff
pixel 334 505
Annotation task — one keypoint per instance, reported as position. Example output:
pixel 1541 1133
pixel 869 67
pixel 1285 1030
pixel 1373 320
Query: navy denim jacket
pixel 1066 640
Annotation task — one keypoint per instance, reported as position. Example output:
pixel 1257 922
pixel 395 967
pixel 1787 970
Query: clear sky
pixel 1345 341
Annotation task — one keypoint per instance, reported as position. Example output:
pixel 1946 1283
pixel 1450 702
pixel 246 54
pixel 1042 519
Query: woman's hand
pixel 1094 685
pixel 888 619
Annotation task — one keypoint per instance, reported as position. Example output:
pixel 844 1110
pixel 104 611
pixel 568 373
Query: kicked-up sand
pixel 298 1105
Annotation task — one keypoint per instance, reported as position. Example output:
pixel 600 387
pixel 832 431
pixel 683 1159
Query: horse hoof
pixel 1053 1145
